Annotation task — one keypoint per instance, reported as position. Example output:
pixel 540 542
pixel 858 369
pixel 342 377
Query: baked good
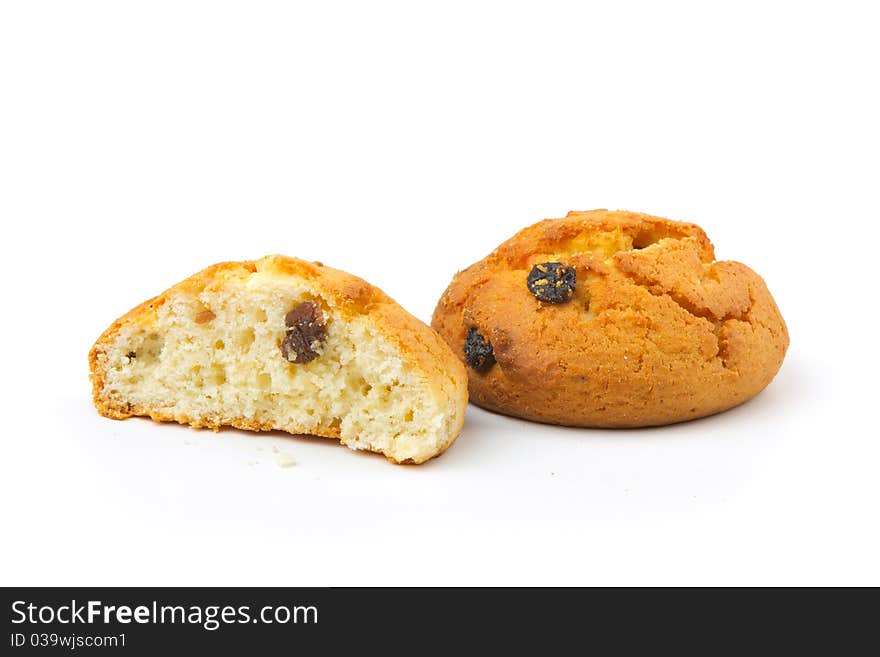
pixel 281 343
pixel 611 319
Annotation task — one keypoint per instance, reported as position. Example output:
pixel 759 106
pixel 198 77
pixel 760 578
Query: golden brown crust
pixel 350 295
pixel 656 332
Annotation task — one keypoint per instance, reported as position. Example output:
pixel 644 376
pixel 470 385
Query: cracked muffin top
pixel 611 319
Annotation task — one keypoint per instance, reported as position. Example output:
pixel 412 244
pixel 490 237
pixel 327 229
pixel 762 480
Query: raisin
pixel 552 282
pixel 305 332
pixel 132 355
pixel 478 351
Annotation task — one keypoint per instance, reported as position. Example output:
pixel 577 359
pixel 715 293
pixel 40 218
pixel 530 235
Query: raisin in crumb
pixel 205 316
pixel 132 354
pixel 552 282
pixel 305 331
pixel 478 351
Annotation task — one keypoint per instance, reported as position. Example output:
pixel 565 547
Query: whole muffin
pixel 611 319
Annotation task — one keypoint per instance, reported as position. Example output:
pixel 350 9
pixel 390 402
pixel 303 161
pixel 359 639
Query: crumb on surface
pixel 285 460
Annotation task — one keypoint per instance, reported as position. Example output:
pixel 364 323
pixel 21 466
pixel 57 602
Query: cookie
pixel 284 344
pixel 611 319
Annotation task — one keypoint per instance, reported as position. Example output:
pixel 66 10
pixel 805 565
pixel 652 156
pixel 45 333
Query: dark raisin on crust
pixel 552 282
pixel 305 327
pixel 478 351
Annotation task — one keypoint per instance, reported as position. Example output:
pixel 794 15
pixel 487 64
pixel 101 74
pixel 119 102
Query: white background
pixel 140 142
